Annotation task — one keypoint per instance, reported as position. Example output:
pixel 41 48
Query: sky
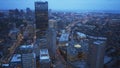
pixel 64 4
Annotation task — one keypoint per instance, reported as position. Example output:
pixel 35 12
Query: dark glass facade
pixel 41 16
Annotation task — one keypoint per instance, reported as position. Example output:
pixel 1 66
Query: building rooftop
pixel 44 55
pixel 16 58
pixel 107 59
pixel 26 46
pixel 77 46
pixel 98 42
pixel 15 30
pixel 64 37
pixel 40 2
pixel 5 65
pixel 94 37
pixel 81 35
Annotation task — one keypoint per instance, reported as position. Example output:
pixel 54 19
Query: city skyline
pixel 61 36
pixel 64 5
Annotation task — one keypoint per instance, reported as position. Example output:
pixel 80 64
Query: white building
pixel 45 61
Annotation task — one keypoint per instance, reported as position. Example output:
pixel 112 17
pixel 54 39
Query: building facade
pixel 28 57
pixel 96 54
pixel 45 61
pixel 41 16
pixel 51 39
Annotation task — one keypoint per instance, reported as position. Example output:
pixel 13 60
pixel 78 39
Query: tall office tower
pixel 41 16
pixel 28 57
pixel 51 39
pixel 96 54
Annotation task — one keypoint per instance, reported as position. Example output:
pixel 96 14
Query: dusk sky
pixel 64 4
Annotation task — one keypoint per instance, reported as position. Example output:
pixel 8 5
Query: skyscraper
pixel 96 57
pixel 41 16
pixel 51 39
